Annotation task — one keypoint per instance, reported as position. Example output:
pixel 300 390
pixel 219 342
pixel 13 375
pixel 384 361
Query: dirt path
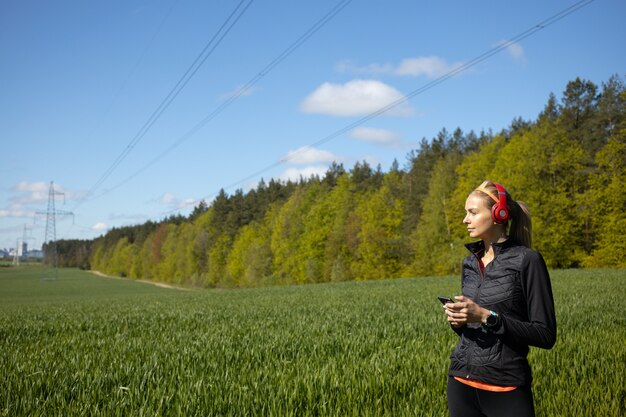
pixel 144 281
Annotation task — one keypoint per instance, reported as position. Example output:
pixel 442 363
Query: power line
pixel 473 62
pixel 133 69
pixel 240 92
pixel 208 49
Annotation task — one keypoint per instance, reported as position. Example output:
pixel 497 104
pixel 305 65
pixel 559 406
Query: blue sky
pixel 79 79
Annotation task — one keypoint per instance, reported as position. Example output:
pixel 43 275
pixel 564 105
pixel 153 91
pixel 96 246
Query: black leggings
pixel 467 401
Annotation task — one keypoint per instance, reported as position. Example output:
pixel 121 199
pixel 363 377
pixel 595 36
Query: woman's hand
pixel 464 311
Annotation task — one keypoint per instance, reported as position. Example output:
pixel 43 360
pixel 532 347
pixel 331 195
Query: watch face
pixel 492 319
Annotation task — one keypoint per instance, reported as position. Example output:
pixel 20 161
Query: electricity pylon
pixel 50 242
pixel 24 245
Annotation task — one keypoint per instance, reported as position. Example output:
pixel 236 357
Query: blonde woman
pixel 506 306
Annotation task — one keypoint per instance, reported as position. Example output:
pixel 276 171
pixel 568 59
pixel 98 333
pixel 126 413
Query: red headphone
pixel 499 211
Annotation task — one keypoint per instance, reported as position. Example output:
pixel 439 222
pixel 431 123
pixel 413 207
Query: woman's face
pixel 478 218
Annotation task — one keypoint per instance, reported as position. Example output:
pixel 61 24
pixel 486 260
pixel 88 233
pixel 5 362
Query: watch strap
pixel 492 320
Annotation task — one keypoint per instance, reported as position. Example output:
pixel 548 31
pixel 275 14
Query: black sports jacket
pixel 516 285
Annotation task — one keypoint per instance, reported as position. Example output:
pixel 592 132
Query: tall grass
pixel 85 345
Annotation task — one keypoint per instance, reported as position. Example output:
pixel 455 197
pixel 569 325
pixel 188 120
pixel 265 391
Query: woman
pixel 506 307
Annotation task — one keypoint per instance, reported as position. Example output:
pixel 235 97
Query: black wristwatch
pixel 492 320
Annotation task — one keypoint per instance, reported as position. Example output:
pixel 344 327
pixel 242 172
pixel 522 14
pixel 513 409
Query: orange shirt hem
pixel 483 385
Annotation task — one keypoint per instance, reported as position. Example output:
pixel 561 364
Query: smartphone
pixel 445 300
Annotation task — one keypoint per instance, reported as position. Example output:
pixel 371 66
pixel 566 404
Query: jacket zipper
pixel 482 273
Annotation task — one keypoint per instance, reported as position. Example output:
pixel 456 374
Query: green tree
pixel 218 255
pixel 167 264
pixel 249 262
pixel 97 255
pixel 470 173
pixel 609 205
pixel 437 250
pixel 199 248
pixel 317 227
pixel 381 248
pixel 578 108
pixel 288 230
pixel 341 242
pixel 198 210
pixel 545 168
pixel 419 170
pixel 121 258
pixel 611 108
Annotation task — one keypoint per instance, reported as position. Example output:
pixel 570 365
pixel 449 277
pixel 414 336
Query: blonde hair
pixel 519 224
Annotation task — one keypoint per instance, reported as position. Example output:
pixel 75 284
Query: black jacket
pixel 516 285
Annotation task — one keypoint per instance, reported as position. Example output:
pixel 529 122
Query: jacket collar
pixel 477 248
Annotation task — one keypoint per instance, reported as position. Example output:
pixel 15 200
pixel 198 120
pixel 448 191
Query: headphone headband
pixel 499 211
pixel 482 188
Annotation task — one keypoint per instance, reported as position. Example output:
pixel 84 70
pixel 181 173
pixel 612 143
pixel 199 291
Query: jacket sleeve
pixel 540 329
pixel 458 330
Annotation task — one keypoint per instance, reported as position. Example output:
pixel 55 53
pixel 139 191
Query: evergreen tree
pixel 550 111
pixel 611 108
pixel 578 107
pixel 198 210
pixel 333 173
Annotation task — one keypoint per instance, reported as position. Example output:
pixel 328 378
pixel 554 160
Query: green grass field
pixel 94 346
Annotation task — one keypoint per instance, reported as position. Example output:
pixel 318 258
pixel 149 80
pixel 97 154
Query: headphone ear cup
pixel 499 211
pixel 499 214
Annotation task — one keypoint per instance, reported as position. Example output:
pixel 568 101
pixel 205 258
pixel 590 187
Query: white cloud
pixel 355 98
pixel 309 155
pixel 32 186
pixel 516 51
pixel 371 69
pixel 26 198
pixel 17 210
pixel 428 66
pixel 167 198
pixel 15 213
pixel 294 174
pixel 188 202
pixel 37 192
pixel 239 91
pixel 99 227
pixel 374 135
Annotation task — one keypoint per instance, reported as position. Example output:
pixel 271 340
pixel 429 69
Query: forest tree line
pixel 568 165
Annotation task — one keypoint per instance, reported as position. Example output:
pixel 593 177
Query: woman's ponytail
pixel 521 226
